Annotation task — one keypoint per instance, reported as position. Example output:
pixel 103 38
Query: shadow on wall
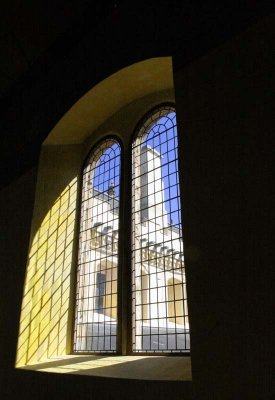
pixel 43 330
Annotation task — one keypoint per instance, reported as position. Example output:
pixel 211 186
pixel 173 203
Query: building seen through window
pixel 96 302
pixel 159 313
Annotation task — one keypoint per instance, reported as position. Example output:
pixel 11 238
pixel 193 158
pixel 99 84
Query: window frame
pixel 88 156
pixel 124 268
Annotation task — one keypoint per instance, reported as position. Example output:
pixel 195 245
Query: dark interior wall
pixel 225 115
pixel 225 106
pixel 108 36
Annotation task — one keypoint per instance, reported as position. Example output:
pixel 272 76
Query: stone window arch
pixel 47 323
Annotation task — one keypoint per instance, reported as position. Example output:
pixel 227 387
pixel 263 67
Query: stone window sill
pixel 124 367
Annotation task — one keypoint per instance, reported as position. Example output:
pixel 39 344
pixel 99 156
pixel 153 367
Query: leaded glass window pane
pixel 96 300
pixel 159 300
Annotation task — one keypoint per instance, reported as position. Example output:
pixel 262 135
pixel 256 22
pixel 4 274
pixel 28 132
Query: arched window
pixel 83 292
pixel 159 302
pixel 96 300
pixel 159 315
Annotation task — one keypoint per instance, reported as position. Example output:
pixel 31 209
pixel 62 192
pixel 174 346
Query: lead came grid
pixel 96 300
pixel 159 300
